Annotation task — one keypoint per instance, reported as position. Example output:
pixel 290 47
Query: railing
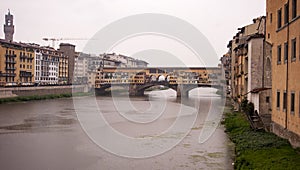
pixel 10 61
pixel 144 81
pixel 10 68
pixel 8 74
pixel 10 55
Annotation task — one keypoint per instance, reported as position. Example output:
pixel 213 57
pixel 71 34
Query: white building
pixel 38 69
pixel 53 70
pixel 46 66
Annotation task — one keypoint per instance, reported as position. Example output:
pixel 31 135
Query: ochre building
pixel 283 32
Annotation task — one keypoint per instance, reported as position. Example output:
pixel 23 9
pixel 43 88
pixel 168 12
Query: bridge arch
pixel 161 78
pixel 113 87
pixel 152 78
pixel 167 78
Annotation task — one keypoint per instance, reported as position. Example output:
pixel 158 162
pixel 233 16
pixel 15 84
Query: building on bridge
pixel 138 79
pixel 86 65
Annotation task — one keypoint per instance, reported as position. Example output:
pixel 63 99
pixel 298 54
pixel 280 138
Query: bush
pixel 258 149
pixel 247 107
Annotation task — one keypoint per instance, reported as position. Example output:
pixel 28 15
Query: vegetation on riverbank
pixel 42 97
pixel 258 149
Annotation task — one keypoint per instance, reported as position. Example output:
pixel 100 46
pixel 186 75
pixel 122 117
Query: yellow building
pixel 283 32
pixel 143 75
pixel 16 63
pixel 63 68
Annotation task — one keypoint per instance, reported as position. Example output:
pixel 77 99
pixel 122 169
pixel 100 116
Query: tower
pixel 69 50
pixel 9 27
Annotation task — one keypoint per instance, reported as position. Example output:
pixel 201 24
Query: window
pixel 279 18
pixel 293 52
pixel 278 100
pixel 267 99
pixel 271 18
pixel 284 101
pixel 279 54
pixel 294 10
pixel 292 102
pixel 286 52
pixel 286 13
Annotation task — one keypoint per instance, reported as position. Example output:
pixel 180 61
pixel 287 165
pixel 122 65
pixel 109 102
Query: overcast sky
pixel 218 20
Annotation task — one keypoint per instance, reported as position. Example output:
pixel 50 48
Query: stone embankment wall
pixel 293 138
pixel 40 91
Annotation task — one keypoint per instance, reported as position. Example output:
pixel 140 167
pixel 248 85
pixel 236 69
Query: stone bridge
pixel 137 80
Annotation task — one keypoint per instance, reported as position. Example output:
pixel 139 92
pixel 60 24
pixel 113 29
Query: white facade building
pixel 37 71
pixel 46 66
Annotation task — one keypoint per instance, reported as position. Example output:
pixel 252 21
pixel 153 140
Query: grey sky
pixel 34 19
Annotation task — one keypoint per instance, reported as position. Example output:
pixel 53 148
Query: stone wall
pixel 39 91
pixel 293 138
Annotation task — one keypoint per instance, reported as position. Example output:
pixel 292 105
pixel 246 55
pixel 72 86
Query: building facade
pixel 16 64
pixel 250 59
pixel 63 69
pixel 226 66
pixel 69 51
pixel 282 31
pixel 47 66
pixel 16 59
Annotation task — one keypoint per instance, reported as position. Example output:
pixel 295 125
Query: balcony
pixel 9 74
pixel 26 75
pixel 23 56
pixel 10 61
pixel 10 55
pixel 10 68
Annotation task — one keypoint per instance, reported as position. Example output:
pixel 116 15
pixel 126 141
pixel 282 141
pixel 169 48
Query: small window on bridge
pixel 152 70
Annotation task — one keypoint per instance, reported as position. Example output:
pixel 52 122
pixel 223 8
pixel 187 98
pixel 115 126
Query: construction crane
pixel 60 39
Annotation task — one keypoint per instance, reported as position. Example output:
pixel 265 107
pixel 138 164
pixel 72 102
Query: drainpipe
pixel 287 70
pixel 264 53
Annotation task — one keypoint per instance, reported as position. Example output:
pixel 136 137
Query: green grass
pixel 258 149
pixel 42 97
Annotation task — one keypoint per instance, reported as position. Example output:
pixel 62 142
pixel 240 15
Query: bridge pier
pixel 100 91
pixel 133 91
pixel 182 90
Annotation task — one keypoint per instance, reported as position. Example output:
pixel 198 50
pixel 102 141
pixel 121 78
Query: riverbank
pixel 258 149
pixel 41 97
pixel 41 90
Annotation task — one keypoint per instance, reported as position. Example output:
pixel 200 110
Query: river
pixel 49 134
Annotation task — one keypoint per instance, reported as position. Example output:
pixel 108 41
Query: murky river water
pixel 48 135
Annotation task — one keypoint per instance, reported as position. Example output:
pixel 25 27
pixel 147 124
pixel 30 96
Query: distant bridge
pixel 137 80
